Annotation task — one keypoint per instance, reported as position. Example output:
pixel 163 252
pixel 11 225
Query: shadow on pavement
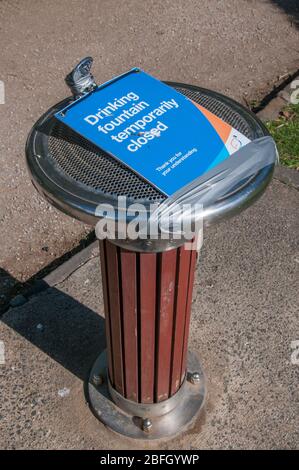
pixel 63 328
pixel 290 7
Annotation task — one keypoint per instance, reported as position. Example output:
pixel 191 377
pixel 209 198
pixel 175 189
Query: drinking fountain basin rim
pixel 80 201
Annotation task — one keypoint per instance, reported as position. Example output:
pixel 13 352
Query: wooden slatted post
pixel 147 299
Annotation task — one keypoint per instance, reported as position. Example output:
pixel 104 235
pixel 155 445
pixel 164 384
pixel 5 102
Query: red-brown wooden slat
pixel 115 315
pixel 148 263
pixel 193 258
pixel 106 307
pixel 183 266
pixel 165 323
pixel 129 312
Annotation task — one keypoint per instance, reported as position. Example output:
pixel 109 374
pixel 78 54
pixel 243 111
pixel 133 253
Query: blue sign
pixel 150 127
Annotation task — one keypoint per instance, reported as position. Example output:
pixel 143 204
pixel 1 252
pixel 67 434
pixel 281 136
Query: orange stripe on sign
pixel 222 128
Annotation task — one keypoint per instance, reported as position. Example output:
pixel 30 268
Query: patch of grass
pixel 285 132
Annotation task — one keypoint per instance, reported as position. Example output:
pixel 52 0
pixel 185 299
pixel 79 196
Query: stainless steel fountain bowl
pixel 75 176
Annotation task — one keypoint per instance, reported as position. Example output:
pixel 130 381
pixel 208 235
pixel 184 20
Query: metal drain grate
pixel 86 164
pixel 83 162
pixel 219 108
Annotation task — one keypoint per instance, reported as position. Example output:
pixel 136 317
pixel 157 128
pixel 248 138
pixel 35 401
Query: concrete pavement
pixel 244 327
pixel 237 47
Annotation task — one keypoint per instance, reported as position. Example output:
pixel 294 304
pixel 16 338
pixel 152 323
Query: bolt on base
pixel 140 421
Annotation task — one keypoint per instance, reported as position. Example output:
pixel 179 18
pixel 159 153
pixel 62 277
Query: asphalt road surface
pixel 238 47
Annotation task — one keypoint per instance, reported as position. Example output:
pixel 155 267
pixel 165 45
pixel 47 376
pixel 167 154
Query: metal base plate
pixel 176 421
